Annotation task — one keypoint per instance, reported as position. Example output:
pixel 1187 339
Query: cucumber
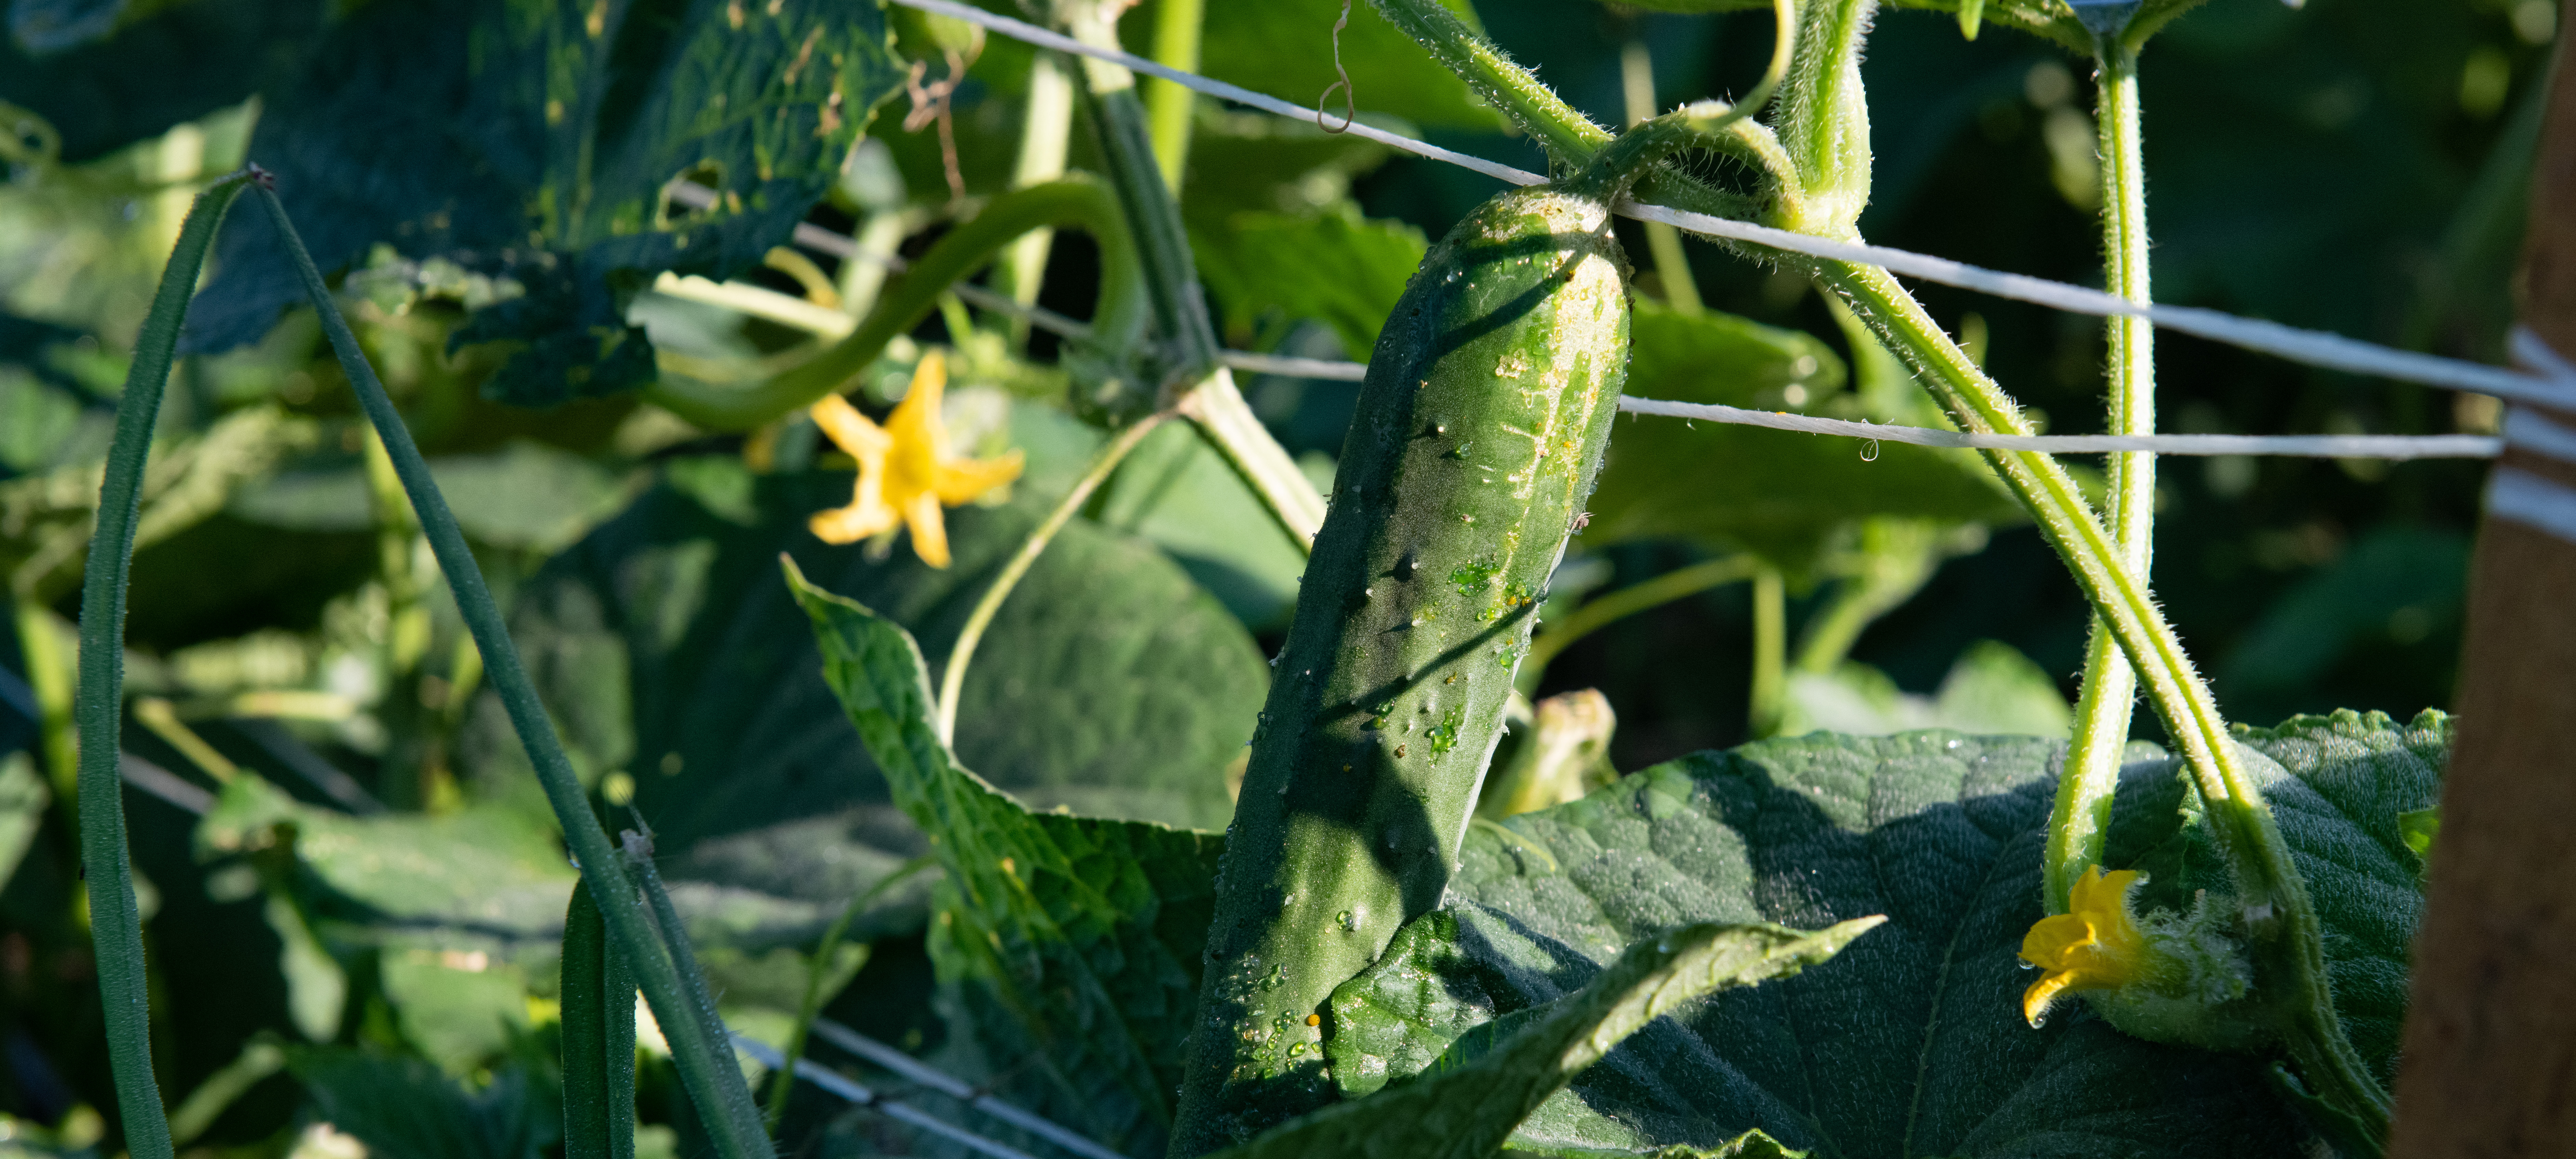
pixel 1479 430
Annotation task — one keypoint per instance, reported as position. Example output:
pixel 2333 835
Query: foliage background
pixel 2355 166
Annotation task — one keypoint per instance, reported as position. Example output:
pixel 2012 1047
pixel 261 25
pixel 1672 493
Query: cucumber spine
pixel 1478 434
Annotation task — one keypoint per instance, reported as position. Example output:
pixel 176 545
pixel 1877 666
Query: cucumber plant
pixel 1366 962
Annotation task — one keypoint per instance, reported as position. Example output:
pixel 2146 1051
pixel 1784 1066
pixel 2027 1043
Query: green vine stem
pixel 1069 201
pixel 707 1068
pixel 1168 106
pixel 1046 130
pixel 115 925
pixel 1153 218
pixel 2081 818
pixel 1767 705
pixel 2286 937
pixel 1603 611
pixel 598 1038
pixel 953 681
pixel 2280 920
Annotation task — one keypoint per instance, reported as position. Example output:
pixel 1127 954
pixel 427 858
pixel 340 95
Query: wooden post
pixel 2489 1065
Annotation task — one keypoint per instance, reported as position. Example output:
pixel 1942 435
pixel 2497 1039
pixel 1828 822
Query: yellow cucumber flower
pixel 905 472
pixel 2167 977
pixel 2097 946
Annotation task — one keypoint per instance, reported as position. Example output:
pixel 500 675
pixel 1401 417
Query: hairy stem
pixel 1153 219
pixel 115 925
pixel 952 682
pixel 2081 818
pixel 1168 105
pixel 2287 939
pixel 706 1067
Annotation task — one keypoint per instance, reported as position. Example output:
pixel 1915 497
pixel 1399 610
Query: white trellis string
pixel 2313 347
pixel 914 1070
pixel 797 312
pixel 2538 501
pixel 2318 446
pixel 855 1092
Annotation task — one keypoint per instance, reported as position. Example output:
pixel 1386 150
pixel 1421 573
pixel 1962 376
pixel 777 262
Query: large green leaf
pixel 1772 492
pixel 1467 1102
pixel 532 141
pixel 485 878
pixel 1071 943
pixel 151 66
pixel 1911 1043
pixel 404 1109
pixel 2339 784
pixel 1176 491
pixel 667 650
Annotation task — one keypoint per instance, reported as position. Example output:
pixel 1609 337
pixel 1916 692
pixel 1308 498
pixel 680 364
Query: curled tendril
pixel 1350 110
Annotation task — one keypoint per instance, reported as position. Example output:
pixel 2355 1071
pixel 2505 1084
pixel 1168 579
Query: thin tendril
pixel 1350 95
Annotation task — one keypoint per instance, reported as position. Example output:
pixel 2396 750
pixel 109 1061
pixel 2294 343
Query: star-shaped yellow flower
pixel 905 474
pixel 2096 947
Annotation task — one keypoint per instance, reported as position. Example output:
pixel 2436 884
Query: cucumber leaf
pixel 1465 1104
pixel 1338 268
pixel 151 66
pixel 1071 943
pixel 403 1108
pixel 1911 1043
pixel 668 651
pixel 532 142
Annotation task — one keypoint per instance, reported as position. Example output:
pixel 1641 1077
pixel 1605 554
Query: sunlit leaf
pixel 1072 943
pixel 1910 1043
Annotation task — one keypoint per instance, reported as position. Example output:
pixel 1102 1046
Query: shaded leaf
pixel 2340 785
pixel 1911 1043
pixel 532 142
pixel 484 877
pixel 1072 943
pixel 178 62
pixel 666 648
pixel 1468 1100
pixel 1180 494
pixel 1245 161
pixel 2395 587
pixel 1337 268
pixel 527 495
pixel 402 1108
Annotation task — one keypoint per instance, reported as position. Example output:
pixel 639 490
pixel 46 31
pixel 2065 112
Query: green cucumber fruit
pixel 1479 430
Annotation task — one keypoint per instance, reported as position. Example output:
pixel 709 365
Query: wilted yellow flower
pixel 905 474
pixel 2098 946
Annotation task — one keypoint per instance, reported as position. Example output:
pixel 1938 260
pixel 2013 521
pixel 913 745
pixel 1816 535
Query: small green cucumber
pixel 1479 430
